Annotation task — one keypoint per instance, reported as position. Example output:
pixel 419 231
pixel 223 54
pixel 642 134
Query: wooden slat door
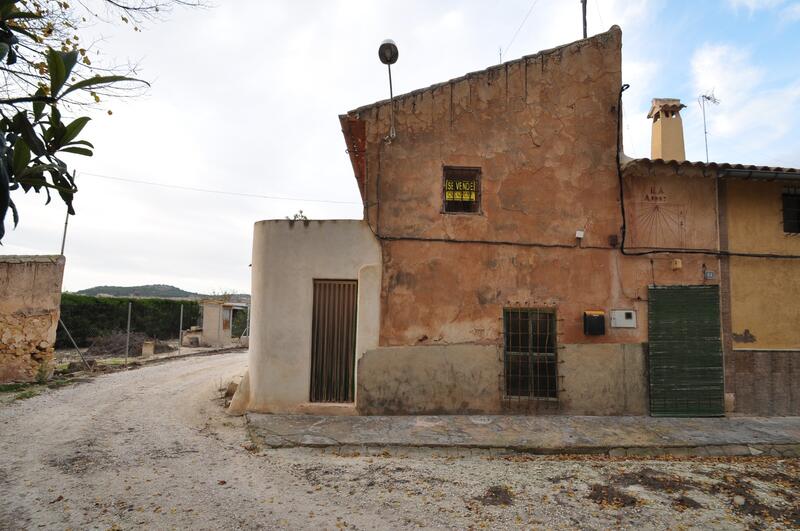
pixel 685 352
pixel 333 340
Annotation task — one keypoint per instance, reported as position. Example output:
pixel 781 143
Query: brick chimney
pixel 667 140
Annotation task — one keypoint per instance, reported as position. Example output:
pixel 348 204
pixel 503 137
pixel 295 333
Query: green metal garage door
pixel 685 355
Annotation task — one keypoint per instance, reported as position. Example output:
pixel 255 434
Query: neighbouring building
pixel 217 323
pixel 30 298
pixel 512 259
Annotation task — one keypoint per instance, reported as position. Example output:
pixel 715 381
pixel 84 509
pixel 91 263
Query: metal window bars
pixel 791 209
pixel 529 358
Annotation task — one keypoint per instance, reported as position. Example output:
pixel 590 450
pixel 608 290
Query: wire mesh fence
pixel 100 331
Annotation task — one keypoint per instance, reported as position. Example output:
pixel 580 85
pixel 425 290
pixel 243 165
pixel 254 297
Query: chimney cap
pixel 665 104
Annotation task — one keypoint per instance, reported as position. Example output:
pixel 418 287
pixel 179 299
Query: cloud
pixel 755 115
pixel 245 98
pixel 754 5
pixel 791 13
pixel 727 71
pixel 246 95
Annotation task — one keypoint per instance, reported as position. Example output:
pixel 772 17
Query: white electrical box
pixel 623 318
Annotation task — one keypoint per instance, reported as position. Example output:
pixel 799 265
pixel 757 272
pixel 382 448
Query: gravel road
pixel 151 448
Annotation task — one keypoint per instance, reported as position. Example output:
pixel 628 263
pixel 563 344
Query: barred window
pixel 530 353
pixel 791 210
pixel 461 190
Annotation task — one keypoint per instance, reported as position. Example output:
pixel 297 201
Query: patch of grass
pixel 55 384
pixel 13 387
pixel 112 361
pixel 30 393
pixel 42 373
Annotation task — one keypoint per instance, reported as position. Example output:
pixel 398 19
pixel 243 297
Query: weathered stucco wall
pixel 765 293
pixel 765 383
pixel 448 277
pixel 670 206
pixel 439 293
pixel 607 379
pixel 287 257
pixel 520 123
pixel 433 380
pixel 30 297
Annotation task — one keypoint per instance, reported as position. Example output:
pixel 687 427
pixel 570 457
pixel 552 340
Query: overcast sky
pixel 245 98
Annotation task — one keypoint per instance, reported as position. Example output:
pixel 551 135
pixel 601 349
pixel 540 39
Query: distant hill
pixel 160 291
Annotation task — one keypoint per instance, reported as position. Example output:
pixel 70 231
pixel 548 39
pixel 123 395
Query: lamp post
pixel 388 54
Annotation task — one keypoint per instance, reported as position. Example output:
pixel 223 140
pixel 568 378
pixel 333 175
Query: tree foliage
pixel 88 317
pixel 46 67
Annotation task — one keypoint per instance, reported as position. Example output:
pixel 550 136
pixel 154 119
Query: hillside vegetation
pixel 161 291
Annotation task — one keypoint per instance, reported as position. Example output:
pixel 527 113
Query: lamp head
pixel 387 52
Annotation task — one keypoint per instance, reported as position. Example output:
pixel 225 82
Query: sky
pixel 245 98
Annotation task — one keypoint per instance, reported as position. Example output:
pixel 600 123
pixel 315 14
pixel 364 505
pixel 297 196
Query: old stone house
pixel 512 259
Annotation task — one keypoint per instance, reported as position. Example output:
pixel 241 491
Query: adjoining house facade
pixel 494 271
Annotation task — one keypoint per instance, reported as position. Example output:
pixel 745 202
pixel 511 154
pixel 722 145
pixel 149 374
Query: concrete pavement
pixel 620 436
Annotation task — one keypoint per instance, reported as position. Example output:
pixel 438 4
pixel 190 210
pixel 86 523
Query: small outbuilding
pixel 217 325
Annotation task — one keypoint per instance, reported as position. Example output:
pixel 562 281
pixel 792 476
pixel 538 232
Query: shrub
pixel 88 317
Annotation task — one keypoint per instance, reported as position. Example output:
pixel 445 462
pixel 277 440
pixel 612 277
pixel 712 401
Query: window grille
pixel 461 190
pixel 791 210
pixel 530 353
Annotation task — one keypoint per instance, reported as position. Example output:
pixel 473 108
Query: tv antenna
pixel 388 54
pixel 711 99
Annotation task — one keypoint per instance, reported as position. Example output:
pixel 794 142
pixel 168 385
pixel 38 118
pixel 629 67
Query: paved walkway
pixel 545 435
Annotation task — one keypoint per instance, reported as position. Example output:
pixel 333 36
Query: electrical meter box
pixel 594 323
pixel 623 318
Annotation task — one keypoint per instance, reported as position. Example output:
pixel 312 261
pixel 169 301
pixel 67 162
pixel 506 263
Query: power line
pixel 597 7
pixel 222 192
pixel 533 4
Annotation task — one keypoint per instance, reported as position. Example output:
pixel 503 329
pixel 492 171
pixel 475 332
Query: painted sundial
pixel 659 222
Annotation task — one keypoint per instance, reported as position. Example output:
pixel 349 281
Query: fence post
pixel 180 332
pixel 128 336
pixel 86 364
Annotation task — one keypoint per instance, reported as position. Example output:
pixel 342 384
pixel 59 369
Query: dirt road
pixel 152 449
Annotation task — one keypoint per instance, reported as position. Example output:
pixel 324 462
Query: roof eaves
pixel 725 169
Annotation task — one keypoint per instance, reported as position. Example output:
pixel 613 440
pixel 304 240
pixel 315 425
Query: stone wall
pixel 30 295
